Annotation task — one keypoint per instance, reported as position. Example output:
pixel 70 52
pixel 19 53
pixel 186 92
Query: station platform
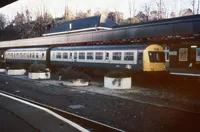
pixel 17 115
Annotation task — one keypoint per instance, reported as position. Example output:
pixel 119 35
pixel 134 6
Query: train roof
pixel 103 47
pixel 28 49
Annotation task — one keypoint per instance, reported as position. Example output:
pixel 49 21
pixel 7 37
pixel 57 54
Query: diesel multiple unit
pixel 135 57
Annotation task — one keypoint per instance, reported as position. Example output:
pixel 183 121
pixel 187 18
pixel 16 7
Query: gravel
pixel 124 113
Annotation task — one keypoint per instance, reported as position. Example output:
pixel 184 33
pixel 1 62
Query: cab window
pixel 156 56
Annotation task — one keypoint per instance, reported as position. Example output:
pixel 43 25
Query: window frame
pixel 114 52
pixel 92 56
pixel 99 52
pixel 125 55
pixel 65 55
pixel 58 54
pixel 81 57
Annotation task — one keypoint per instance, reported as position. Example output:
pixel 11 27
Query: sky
pixel 56 7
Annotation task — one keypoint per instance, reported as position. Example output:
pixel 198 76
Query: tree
pixel 2 24
pixel 132 9
pixel 23 23
pixel 116 16
pixel 198 3
pixel 133 20
pixel 81 14
pixel 161 9
pixel 147 10
pixel 68 15
pixel 43 22
pixel 11 33
pixel 89 13
pixel 28 24
pixel 19 21
pixel 141 16
pixel 195 6
pixel 186 12
pixel 172 14
pixel 97 13
pixel 153 15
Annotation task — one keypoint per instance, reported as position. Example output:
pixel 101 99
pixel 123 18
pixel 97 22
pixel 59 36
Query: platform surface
pixel 18 116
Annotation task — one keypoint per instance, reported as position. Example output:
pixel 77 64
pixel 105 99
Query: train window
pixel 99 56
pixel 81 55
pixel 156 56
pixel 36 55
pixel 65 55
pixel 58 55
pixel 90 55
pixel 33 55
pixel 128 56
pixel 42 55
pixel 75 55
pixel 117 55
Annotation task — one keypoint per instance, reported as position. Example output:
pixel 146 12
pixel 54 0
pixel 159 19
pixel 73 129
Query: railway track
pixel 88 124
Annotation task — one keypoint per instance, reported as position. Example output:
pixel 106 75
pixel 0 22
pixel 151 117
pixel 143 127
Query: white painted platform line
pixel 185 74
pixel 48 111
pixel 66 112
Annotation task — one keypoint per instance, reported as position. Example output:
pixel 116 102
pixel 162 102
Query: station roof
pixel 138 46
pixel 6 2
pixel 82 24
pixel 28 49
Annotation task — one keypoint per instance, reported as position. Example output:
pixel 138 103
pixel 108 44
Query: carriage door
pixel 75 56
pixel 70 56
pixel 107 56
pixel 1 56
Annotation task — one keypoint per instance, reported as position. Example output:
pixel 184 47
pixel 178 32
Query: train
pixel 129 57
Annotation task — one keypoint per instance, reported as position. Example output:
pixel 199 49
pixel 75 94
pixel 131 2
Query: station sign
pixel 197 54
pixel 173 53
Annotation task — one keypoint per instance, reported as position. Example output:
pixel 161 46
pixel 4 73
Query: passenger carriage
pixel 134 57
pixel 137 57
pixel 26 56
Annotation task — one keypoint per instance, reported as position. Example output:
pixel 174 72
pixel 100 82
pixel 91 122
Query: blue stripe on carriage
pixel 25 61
pixel 136 67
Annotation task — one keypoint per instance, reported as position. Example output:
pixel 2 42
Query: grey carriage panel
pixel 183 28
